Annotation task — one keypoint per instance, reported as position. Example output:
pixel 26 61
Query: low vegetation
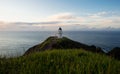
pixel 60 62
pixel 61 43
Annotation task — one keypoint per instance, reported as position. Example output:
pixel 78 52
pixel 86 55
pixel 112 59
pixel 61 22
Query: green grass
pixel 60 62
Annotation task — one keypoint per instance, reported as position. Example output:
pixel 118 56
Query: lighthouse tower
pixel 60 32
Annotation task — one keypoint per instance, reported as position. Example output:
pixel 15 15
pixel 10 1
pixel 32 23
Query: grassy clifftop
pixel 60 62
pixel 61 43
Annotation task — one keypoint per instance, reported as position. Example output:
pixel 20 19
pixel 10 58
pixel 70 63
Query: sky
pixel 73 15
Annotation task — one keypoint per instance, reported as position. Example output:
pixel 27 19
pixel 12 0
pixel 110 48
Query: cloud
pixel 3 25
pixel 63 16
pixel 69 21
pixel 36 23
pixel 100 14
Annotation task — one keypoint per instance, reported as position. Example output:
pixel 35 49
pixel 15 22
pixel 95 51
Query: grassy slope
pixel 60 62
pixel 61 43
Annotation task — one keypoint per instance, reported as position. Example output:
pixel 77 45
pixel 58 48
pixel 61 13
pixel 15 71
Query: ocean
pixel 16 43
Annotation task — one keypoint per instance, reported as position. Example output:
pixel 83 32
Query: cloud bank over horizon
pixel 69 21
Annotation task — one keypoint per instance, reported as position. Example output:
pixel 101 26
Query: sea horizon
pixel 20 41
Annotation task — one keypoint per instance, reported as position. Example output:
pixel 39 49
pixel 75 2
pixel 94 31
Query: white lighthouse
pixel 60 32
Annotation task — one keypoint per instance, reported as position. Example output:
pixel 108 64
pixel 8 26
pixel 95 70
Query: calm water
pixel 12 43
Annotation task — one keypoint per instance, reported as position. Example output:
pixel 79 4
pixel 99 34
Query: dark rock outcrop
pixel 61 43
pixel 115 52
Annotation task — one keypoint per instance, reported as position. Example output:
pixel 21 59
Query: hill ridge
pixel 54 42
